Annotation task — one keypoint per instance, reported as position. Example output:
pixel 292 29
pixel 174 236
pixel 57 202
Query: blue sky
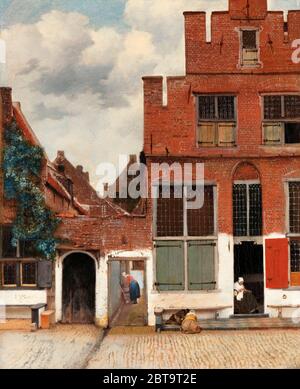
pixel 76 67
pixel 100 12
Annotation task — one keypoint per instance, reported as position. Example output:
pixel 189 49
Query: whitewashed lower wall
pixel 23 297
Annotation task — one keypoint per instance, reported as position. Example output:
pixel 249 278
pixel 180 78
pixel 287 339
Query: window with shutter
pixel 273 133
pixel 201 265
pixel 226 134
pixel 169 266
pixel 277 263
pixel 249 48
pixel 216 120
pixel 9 274
pixel 207 134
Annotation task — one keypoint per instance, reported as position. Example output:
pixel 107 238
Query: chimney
pixel 60 154
pixel 248 9
pixel 6 107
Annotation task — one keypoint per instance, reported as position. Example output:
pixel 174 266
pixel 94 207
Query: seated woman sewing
pixel 244 300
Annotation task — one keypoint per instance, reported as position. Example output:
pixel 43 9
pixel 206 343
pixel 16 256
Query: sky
pixel 76 68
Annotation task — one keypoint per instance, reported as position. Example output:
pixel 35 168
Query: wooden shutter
pixel 226 134
pixel 277 263
pixel 207 134
pixel 273 133
pixel 201 265
pixel 44 274
pixel 250 57
pixel 169 265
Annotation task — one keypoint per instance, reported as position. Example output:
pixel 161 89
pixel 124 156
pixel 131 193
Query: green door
pixel 201 265
pixel 169 265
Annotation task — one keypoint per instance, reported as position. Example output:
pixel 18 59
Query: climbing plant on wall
pixel 22 165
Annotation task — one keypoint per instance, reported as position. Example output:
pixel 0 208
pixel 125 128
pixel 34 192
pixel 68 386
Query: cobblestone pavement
pixel 214 349
pixel 65 346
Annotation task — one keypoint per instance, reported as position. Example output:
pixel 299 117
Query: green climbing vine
pixel 34 223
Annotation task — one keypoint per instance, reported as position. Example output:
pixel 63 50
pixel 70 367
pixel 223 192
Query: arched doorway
pixel 78 298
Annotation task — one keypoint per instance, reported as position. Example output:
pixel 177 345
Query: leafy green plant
pixel 22 165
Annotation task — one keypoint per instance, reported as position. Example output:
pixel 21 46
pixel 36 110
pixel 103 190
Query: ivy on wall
pixel 34 224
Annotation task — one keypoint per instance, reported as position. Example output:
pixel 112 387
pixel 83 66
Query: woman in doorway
pixel 244 302
pixel 134 290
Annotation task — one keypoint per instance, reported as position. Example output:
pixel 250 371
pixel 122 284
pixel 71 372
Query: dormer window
pixel 249 48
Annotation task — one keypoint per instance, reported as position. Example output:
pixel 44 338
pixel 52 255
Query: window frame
pixel 258 63
pixel 217 121
pixel 290 235
pixel 185 240
pixel 19 284
pixel 8 286
pixel 21 264
pixel 280 121
pixel 247 183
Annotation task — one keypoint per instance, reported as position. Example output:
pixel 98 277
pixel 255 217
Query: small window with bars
pixel 249 49
pixel 294 207
pixel 247 209
pixel 28 273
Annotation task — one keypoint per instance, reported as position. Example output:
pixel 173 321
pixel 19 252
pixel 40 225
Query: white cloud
pixel 80 86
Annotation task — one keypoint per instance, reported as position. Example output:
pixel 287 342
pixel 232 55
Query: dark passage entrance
pixel 248 263
pixel 78 289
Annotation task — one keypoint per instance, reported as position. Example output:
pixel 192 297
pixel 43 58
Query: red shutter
pixel 277 263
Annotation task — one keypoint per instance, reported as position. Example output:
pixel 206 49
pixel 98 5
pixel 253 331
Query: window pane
pixel 169 220
pixel 295 256
pixel 29 273
pixel 292 133
pixel 255 210
pixel 206 107
pixel 9 274
pixel 272 107
pixel 169 266
pixel 226 107
pixel 294 211
pixel 240 210
pixel 201 265
pixel 292 106
pixel 249 39
pixel 8 251
pixel 200 222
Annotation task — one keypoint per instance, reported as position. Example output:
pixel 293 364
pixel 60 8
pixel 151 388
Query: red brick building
pixel 237 111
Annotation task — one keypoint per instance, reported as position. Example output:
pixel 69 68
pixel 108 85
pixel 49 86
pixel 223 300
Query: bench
pixel 281 307
pixel 36 312
pixel 159 321
pixel 47 319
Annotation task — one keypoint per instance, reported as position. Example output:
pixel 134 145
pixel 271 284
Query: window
pixel 172 215
pixel 9 274
pixel 295 262
pixel 281 119
pixel 7 250
pixel 216 121
pixel 28 273
pixel 249 48
pixel 247 209
pixel 185 263
pixel 294 207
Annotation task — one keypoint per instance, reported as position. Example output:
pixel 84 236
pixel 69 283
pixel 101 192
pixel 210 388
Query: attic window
pixel 249 48
pixel 249 39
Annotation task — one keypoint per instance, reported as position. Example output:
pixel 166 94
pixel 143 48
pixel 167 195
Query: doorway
pixel 249 264
pixel 79 281
pixel 123 309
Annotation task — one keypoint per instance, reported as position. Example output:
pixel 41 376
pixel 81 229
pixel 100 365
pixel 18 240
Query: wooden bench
pixel 159 321
pixel 281 307
pixel 36 312
pixel 47 319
